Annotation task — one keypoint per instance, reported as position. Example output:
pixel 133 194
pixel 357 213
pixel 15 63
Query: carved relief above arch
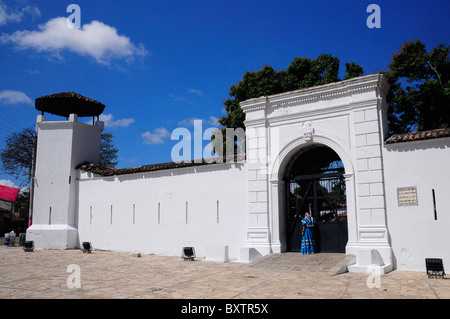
pixel 307 131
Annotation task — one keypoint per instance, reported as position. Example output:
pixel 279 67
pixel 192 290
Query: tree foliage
pixel 17 157
pixel 352 70
pixel 108 153
pixel 301 73
pixel 419 95
pixel 418 98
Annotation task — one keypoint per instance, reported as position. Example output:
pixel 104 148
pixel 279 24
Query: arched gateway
pixel 314 181
pixel 320 146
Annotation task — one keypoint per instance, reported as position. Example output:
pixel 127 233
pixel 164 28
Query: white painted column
pixel 258 235
pixel 352 222
pixel 372 233
pixel 277 216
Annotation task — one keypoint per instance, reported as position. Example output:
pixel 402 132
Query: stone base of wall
pixel 53 236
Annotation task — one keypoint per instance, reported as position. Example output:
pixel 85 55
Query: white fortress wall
pixel 415 231
pixel 161 212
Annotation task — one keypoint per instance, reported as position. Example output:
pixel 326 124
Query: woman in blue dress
pixel 308 239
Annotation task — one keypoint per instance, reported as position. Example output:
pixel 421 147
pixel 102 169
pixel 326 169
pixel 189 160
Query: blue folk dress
pixel 308 239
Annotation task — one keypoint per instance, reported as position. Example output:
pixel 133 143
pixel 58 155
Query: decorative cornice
pixel 335 90
pixel 258 103
pixel 255 122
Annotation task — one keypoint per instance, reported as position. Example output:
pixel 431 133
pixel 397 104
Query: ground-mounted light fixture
pixel 188 253
pixel 28 246
pixel 87 247
pixel 435 267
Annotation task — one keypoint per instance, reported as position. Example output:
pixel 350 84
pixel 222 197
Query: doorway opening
pixel 314 179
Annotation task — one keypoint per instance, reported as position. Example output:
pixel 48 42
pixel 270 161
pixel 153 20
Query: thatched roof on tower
pixel 67 103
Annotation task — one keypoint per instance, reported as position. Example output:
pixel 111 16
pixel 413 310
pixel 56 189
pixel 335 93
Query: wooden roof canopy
pixel 67 103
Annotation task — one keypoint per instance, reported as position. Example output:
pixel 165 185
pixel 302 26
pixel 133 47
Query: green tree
pixel 304 72
pixel 22 203
pixel 419 95
pixel 301 73
pixel 254 84
pixel 353 70
pixel 17 157
pixel 108 153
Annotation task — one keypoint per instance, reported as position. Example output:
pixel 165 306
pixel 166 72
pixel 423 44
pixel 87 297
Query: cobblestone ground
pixel 71 274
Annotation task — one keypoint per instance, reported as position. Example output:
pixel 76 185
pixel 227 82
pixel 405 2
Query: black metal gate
pixel 325 193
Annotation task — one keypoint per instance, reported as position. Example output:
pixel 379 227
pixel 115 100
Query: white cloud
pixel 14 97
pixel 157 137
pixel 32 71
pixel 8 183
pixel 188 122
pixel 213 121
pixel 128 160
pixel 196 92
pixel 9 15
pixel 109 121
pixel 95 39
pixel 177 98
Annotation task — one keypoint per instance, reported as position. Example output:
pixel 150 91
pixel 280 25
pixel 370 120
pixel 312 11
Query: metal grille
pixel 315 178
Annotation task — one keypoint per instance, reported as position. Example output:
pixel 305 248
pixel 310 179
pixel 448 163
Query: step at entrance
pixel 327 263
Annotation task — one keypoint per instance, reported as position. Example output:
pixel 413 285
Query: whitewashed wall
pixel 61 146
pixel 163 211
pixel 414 232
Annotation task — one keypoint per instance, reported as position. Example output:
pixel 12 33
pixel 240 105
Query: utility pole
pixel 32 171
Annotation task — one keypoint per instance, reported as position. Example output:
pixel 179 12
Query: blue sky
pixel 157 65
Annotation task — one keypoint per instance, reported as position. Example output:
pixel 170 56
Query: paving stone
pixel 114 275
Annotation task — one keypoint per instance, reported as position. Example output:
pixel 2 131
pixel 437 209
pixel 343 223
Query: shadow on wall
pixel 418 145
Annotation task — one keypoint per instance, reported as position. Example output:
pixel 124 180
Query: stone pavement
pixel 71 274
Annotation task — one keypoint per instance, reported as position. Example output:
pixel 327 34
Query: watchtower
pixel 61 147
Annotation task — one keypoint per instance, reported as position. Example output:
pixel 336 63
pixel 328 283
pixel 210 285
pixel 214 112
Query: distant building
pixel 8 220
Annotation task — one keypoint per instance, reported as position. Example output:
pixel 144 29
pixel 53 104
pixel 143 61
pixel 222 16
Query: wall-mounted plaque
pixel 407 196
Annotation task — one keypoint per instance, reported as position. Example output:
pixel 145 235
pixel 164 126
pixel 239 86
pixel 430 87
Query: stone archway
pixel 350 118
pixel 314 181
pixel 279 190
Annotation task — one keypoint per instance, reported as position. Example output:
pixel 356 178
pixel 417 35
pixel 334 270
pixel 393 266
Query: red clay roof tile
pixel 418 136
